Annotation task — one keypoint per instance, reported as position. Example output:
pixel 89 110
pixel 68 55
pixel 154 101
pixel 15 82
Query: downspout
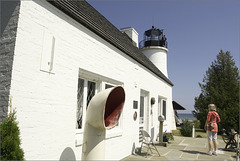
pixel 103 113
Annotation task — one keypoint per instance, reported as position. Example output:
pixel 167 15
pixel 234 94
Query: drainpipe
pixel 103 113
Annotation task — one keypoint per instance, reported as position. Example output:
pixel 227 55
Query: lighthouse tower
pixel 154 47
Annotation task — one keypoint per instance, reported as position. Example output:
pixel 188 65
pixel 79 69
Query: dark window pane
pixel 141 106
pixel 79 111
pixel 164 109
pixel 90 91
pixel 108 86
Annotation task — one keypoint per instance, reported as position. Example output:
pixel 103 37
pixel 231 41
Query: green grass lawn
pixel 199 133
pixel 177 132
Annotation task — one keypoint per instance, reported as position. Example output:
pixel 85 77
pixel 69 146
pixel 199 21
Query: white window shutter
pixel 47 52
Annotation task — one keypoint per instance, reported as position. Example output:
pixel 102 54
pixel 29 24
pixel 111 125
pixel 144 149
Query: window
pixel 164 109
pixel 90 87
pixel 162 106
pixel 141 110
pixel 91 91
pixel 80 103
pixel 90 84
pixel 108 86
pixel 159 106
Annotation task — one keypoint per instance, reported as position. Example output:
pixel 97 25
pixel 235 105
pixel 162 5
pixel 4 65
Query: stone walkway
pixel 185 148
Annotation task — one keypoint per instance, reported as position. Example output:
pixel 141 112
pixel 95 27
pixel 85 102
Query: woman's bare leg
pixel 209 145
pixel 215 143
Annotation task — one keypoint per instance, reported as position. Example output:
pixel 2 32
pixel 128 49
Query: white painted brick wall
pixel 46 103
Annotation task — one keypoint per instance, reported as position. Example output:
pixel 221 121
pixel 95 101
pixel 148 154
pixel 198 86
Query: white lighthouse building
pixel 56 56
pixel 154 47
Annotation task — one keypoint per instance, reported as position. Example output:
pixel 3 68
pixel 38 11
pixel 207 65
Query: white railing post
pixel 193 131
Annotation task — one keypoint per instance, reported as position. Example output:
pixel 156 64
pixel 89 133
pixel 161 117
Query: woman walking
pixel 212 128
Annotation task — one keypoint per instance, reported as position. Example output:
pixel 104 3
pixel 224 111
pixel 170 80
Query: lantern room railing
pixel 153 42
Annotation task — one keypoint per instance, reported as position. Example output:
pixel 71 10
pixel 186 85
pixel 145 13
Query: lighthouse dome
pixel 153 37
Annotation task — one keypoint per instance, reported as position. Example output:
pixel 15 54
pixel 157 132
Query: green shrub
pixel 186 128
pixel 196 124
pixel 10 141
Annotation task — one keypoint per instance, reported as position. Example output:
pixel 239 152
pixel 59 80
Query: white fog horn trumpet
pixel 103 113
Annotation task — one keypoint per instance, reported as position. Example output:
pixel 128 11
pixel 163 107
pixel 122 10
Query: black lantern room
pixel 153 37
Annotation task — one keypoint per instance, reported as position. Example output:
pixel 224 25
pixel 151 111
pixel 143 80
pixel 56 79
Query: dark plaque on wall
pixel 135 104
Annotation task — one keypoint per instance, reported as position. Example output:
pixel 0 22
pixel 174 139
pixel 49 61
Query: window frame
pixel 164 111
pixel 80 104
pixel 160 106
pixel 85 93
pixel 101 82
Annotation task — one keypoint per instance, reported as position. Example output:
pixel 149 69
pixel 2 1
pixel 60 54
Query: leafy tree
pixel 221 87
pixel 10 141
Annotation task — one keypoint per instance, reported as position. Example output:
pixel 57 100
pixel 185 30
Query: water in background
pixel 188 116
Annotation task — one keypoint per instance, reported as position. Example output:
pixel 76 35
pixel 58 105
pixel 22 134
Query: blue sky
pixel 196 31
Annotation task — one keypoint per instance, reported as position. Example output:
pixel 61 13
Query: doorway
pixel 144 113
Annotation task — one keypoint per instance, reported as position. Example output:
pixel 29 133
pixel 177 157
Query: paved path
pixel 185 148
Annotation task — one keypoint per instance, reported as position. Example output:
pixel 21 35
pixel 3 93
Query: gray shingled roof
pixel 85 14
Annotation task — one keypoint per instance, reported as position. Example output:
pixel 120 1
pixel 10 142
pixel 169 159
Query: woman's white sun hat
pixel 212 107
